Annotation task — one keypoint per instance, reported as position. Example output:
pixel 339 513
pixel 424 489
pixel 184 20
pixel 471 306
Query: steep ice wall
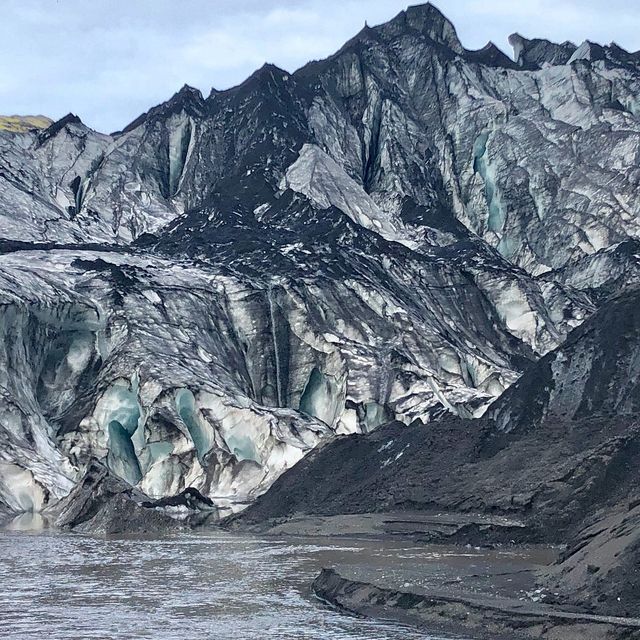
pixel 177 375
pixel 538 160
pixel 402 111
pixel 47 347
pixel 71 184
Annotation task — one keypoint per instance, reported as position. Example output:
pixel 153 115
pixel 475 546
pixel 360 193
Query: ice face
pixel 122 458
pixel 180 376
pixel 497 215
pixel 276 349
pixel 119 404
pixel 119 415
pixel 180 146
pixel 318 176
pixel 242 446
pixel 375 415
pixel 321 398
pixel 201 432
pixel 18 488
pixel 336 268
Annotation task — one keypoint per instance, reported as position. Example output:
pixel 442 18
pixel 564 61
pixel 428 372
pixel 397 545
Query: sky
pixel 107 61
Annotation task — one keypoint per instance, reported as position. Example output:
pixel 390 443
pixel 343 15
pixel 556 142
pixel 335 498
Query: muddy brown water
pixel 203 585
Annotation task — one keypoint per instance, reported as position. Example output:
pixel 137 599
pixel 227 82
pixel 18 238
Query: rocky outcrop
pixel 105 504
pixel 596 371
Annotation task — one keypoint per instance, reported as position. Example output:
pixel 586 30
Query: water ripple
pixel 217 586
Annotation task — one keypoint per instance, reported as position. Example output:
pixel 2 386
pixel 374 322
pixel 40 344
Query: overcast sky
pixel 109 60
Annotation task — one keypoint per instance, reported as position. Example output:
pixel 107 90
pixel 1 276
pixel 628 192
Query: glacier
pixel 393 233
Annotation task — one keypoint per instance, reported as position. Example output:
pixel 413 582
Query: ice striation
pixel 392 233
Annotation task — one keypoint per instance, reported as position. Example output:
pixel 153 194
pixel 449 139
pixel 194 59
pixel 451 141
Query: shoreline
pixel 486 617
pixel 487 592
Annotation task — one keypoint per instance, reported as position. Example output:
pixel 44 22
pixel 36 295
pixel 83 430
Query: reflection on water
pixel 28 521
pixel 213 585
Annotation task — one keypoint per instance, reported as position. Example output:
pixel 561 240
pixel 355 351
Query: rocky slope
pixel 552 444
pixel 557 455
pixel 393 233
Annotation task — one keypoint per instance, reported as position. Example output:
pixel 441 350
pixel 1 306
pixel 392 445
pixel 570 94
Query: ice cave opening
pixel 188 412
pixel 122 458
pixel 321 397
pixel 122 416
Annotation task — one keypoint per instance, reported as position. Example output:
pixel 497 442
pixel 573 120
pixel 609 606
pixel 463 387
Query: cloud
pixel 109 60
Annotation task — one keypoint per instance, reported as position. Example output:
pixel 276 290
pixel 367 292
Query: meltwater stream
pixel 207 585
